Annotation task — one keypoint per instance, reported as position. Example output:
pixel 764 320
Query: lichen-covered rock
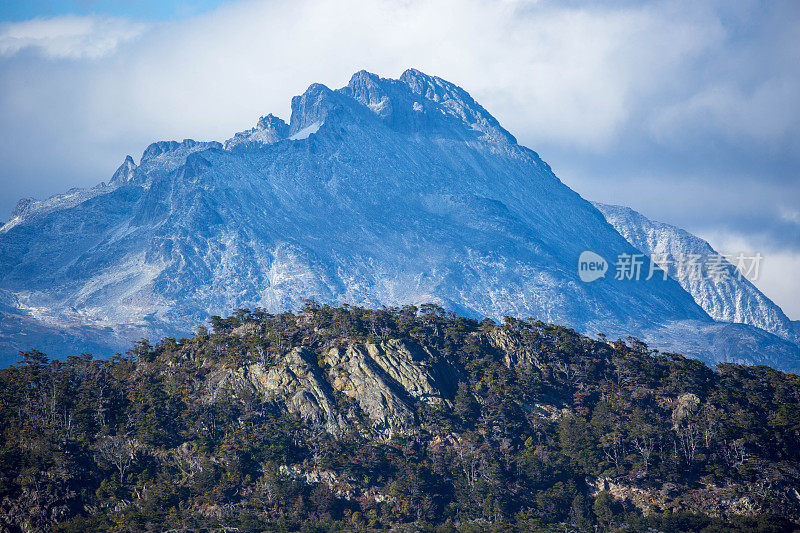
pixel 408 365
pixel 384 379
pixel 354 373
pixel 296 381
pixel 516 352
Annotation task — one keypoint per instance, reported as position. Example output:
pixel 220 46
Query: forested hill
pixel 414 419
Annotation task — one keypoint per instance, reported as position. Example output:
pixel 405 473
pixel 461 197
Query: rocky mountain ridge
pixel 729 297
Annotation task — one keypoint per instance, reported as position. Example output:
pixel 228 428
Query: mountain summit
pixel 384 192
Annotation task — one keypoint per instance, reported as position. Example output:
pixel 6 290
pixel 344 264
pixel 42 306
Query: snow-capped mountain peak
pixel 313 106
pixel 383 192
pixel 124 173
pixel 417 102
pixel 457 102
pixel 269 130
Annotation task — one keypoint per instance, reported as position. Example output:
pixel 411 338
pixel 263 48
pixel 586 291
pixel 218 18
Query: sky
pixel 686 111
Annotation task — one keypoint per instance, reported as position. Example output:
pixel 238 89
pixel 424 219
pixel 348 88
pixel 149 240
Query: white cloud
pixel 571 76
pixel 68 37
pixel 553 75
pixel 767 114
pixel 790 215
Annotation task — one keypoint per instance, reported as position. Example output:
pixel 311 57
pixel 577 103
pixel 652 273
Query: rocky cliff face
pixel 384 381
pixel 297 382
pixel 518 352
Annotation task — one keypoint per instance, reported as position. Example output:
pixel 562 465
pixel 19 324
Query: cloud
pixel 788 214
pixel 68 37
pixel 734 115
pixel 557 75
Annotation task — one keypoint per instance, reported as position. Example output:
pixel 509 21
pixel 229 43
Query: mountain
pixel 383 192
pixel 727 297
pixel 412 419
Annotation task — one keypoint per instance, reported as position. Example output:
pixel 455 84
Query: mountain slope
pixel 384 192
pixel 349 419
pixel 729 298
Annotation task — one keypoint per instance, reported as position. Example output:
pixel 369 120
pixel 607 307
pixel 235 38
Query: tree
pixel 577 443
pixel 644 447
pixel 465 405
pixel 119 451
pixel 605 508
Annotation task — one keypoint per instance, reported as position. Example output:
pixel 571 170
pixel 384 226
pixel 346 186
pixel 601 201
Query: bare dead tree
pixel 488 471
pixel 566 369
pixel 53 398
pixel 709 422
pixel 267 484
pixel 644 446
pixel 372 328
pixel 734 452
pixel 470 459
pixel 612 447
pixel 119 451
pixel 262 356
pixel 536 423
pixel 100 411
pixel 687 438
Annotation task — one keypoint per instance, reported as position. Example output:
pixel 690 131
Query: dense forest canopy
pixel 409 418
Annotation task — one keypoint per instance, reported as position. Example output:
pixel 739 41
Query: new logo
pixel 591 266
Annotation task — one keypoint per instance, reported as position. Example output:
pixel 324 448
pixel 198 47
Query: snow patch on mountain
pixel 306 132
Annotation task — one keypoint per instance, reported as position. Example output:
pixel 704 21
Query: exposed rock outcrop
pixel 354 373
pixel 385 380
pixel 516 352
pixel 125 172
pixel 296 381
